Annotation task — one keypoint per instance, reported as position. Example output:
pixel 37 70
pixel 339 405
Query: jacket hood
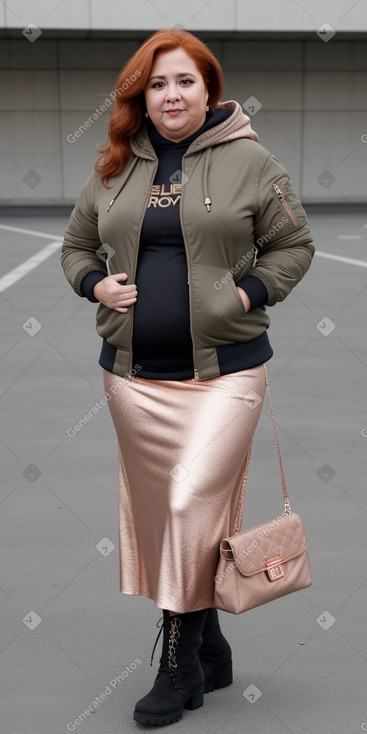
pixel 237 125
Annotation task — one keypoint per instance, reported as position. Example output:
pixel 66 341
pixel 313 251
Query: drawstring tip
pixel 208 203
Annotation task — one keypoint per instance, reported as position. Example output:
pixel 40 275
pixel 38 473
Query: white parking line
pixel 7 280
pixel 341 259
pixel 19 272
pixel 32 232
pixel 350 236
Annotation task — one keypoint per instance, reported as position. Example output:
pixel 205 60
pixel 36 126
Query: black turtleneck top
pixel 162 345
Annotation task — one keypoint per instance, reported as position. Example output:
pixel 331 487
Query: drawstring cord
pixel 207 199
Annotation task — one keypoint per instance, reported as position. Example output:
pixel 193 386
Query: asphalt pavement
pixel 74 651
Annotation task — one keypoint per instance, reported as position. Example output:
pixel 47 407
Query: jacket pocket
pixel 114 326
pixel 289 203
pixel 218 312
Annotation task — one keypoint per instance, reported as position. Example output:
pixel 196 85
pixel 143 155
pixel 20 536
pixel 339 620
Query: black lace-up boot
pixel 215 655
pixel 179 682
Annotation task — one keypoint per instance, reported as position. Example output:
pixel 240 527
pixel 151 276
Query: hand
pixel 244 298
pixel 113 294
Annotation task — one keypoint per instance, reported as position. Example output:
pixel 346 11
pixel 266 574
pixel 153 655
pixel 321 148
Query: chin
pixel 174 129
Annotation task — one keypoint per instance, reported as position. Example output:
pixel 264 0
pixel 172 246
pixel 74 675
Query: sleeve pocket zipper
pixel 285 204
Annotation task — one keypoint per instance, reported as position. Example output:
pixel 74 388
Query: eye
pixel 189 81
pixel 157 85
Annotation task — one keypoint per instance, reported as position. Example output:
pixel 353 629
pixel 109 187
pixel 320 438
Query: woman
pixel 185 231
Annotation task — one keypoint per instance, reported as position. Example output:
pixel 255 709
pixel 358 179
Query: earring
pixel 146 114
pixel 207 108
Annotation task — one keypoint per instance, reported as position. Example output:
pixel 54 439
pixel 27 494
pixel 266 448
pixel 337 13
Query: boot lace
pixel 174 634
pixel 157 638
pixel 173 642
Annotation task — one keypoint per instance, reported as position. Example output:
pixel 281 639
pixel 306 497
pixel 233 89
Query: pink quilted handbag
pixel 266 561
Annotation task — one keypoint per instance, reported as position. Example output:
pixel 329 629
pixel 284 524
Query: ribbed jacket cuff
pixel 255 290
pixel 88 283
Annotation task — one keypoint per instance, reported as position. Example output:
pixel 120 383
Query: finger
pixel 129 288
pixel 119 276
pixel 119 301
pixel 118 296
pixel 128 296
pixel 122 302
pixel 119 291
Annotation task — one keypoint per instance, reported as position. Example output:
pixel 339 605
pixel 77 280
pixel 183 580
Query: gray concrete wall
pixel 312 116
pixel 217 15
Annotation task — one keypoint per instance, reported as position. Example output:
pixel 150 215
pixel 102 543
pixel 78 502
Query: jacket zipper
pixel 137 255
pixel 285 204
pixel 129 171
pixel 196 373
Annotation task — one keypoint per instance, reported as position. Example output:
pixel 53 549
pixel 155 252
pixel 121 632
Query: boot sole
pixel 194 701
pixel 222 680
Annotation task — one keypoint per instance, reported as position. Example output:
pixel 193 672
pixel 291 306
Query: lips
pixel 173 112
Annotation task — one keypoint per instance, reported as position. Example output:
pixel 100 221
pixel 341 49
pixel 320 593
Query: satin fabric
pixel 181 453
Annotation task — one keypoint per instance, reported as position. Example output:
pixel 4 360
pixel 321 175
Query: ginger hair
pixel 128 113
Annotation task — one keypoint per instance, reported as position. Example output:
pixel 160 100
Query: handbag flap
pixel 283 538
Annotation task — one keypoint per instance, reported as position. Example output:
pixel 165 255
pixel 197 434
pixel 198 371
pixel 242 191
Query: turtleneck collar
pixel 213 118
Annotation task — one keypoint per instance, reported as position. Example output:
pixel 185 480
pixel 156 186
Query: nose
pixel 172 93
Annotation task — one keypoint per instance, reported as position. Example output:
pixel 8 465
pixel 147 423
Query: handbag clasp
pixel 274 569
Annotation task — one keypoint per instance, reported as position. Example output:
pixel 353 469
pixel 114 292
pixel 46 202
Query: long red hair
pixel 129 107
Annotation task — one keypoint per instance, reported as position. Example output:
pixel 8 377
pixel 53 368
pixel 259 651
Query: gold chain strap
pixel 287 506
pixel 237 525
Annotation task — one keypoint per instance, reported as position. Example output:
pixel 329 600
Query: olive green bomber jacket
pixel 239 217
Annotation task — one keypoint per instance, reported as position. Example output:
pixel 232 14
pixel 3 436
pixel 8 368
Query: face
pixel 175 95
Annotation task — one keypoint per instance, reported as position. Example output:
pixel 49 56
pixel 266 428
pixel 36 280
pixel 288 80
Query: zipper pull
pixel 278 191
pixel 110 204
pixel 196 375
pixel 285 204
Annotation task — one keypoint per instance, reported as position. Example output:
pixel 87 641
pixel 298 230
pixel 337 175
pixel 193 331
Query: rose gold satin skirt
pixel 182 449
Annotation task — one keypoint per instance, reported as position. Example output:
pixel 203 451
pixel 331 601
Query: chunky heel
pixel 196 699
pixel 215 655
pixel 224 677
pixel 179 683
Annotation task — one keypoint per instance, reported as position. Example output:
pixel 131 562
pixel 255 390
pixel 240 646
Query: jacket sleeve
pixel 282 238
pixel 79 252
pixel 88 283
pixel 255 290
